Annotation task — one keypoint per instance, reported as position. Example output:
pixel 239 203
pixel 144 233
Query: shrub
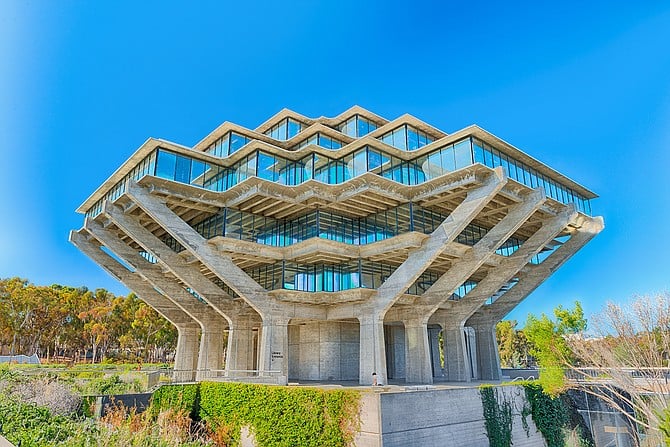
pixel 277 416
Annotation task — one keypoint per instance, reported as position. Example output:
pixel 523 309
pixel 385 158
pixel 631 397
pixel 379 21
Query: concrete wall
pixel 327 350
pixel 446 417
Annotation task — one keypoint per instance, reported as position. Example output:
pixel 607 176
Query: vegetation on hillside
pixel 76 324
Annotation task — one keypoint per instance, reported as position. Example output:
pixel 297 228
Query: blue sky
pixel 582 86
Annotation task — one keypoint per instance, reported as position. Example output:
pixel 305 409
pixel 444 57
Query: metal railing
pixel 230 375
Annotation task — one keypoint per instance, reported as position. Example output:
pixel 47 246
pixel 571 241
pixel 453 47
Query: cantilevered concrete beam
pixel 372 349
pixel 534 275
pixel 234 277
pixel 212 340
pixel 484 320
pixel 418 364
pixel 274 314
pixel 420 259
pixel 186 358
pixel 459 311
pixel 211 321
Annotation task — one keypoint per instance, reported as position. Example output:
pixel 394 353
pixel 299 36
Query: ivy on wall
pixel 497 417
pixel 553 415
pixel 277 416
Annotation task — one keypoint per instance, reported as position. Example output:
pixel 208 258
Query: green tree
pixel 548 344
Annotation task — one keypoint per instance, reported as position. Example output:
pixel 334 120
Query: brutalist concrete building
pixel 330 249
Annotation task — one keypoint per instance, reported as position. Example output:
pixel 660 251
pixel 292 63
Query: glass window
pixel 463 154
pixel 266 166
pixel 447 159
pixel 478 153
pixel 413 140
pixel 183 170
pixel 399 137
pixel 293 128
pixel 165 165
pixel 197 173
pixel 236 142
pixel 363 128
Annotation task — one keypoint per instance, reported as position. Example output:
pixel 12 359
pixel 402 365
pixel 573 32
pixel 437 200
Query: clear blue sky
pixel 582 86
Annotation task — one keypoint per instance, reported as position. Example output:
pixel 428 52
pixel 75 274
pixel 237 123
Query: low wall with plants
pixel 276 416
pixel 555 417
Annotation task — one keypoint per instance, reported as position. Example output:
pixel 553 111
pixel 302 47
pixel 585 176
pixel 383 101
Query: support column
pixel 456 363
pixel 372 351
pixel 488 358
pixel 240 347
pixel 186 356
pixel 274 346
pixel 418 368
pixel 210 360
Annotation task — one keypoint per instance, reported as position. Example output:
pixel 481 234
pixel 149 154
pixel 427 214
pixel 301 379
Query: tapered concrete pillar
pixel 434 346
pixel 456 362
pixel 418 368
pixel 488 358
pixel 210 359
pixel 186 356
pixel 274 346
pixel 372 351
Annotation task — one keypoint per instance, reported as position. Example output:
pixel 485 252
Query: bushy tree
pixel 67 322
pixel 512 345
pixel 548 341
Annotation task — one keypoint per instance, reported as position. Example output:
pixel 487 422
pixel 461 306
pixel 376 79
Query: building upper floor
pixel 290 149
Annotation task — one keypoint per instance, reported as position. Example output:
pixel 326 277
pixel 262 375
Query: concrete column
pixel 240 352
pixel 273 346
pixel 434 346
pixel 210 357
pixel 186 356
pixel 456 362
pixel 418 368
pixel 372 351
pixel 488 358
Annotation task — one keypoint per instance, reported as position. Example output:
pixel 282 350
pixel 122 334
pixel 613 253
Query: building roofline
pixel 197 150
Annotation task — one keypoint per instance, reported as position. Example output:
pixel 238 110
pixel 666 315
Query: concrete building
pixel 335 248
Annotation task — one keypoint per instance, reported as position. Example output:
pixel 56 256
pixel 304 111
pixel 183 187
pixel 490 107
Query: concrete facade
pixel 330 249
pixel 427 418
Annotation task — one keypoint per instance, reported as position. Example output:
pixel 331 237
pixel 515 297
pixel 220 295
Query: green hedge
pixel 277 416
pixel 177 397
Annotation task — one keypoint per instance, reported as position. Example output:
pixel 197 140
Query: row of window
pixel 227 145
pixel 367 159
pixel 321 140
pixel 338 277
pixel 489 156
pixel 357 126
pixel 180 168
pixel 285 129
pixel 406 138
pixel 326 225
